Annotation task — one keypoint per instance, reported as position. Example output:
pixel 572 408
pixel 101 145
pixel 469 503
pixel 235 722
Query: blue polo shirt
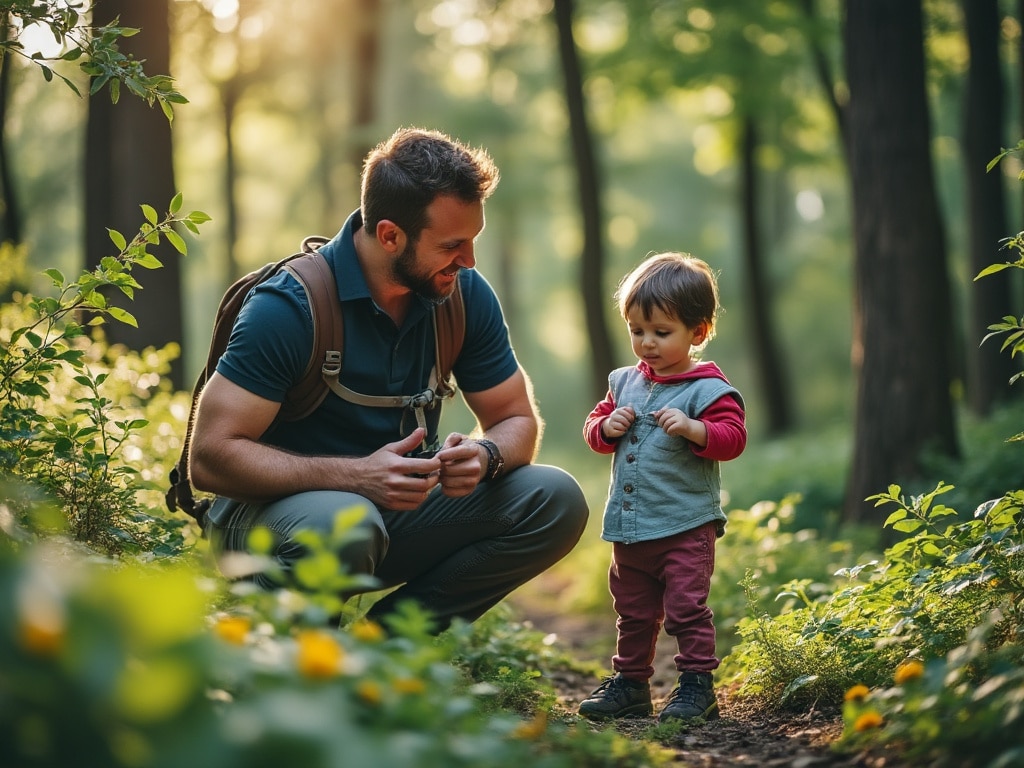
pixel 272 340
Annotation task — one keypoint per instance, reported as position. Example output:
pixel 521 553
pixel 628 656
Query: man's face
pixel 431 265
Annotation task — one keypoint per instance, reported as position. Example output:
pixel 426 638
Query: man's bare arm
pixel 227 458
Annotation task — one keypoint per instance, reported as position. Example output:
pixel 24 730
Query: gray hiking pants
pixel 456 557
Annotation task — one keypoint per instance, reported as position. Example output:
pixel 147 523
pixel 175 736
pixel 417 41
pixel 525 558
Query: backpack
pixel 324 368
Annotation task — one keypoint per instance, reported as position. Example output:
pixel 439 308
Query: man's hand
pixel 394 481
pixel 462 465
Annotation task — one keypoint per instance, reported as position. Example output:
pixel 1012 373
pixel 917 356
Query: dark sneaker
pixel 694 697
pixel 618 697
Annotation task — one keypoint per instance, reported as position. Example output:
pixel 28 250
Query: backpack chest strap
pixel 417 403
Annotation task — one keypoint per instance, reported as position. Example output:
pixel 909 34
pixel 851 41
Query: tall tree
pixel 989 371
pixel 589 189
pixel 903 395
pixel 10 215
pixel 770 370
pixel 129 163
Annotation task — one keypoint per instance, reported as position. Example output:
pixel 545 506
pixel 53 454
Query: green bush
pixel 945 600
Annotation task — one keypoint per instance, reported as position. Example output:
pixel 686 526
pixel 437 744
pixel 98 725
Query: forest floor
pixel 743 736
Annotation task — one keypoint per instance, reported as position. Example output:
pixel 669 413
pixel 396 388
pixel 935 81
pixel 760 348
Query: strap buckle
pixel 424 399
pixel 332 363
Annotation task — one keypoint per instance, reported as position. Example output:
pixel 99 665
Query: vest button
pixel 628 487
pixel 630 458
pixel 633 439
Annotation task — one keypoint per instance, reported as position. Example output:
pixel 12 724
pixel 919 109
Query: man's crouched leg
pixel 459 557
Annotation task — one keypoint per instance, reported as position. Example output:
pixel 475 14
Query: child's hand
pixel 678 424
pixel 618 422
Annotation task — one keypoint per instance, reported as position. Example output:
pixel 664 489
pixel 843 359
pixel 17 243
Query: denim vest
pixel 658 486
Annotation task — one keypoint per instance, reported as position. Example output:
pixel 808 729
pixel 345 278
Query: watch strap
pixel 495 461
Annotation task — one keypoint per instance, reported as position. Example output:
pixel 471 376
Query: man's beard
pixel 403 270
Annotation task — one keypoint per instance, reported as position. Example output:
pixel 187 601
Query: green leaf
pixel 97 83
pixel 117 239
pixel 175 205
pixel 150 213
pixel 123 316
pixel 896 516
pixel 907 526
pixel 55 275
pixel 148 261
pixel 797 684
pixel 991 269
pixel 176 240
pixel 111 264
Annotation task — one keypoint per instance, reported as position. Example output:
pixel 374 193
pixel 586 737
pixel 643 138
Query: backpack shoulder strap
pixel 316 278
pixel 180 495
pixel 449 333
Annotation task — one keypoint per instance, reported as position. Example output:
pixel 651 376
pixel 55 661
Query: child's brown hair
pixel 678 284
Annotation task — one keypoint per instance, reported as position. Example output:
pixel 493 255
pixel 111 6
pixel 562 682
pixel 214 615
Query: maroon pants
pixel 664 581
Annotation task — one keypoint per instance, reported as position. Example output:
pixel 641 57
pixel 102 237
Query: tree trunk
pixel 128 162
pixel 761 327
pixel 903 397
pixel 365 78
pixel 588 184
pixel 989 370
pixel 229 95
pixel 10 215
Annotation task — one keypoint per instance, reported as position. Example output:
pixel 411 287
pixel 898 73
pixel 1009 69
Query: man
pixel 458 529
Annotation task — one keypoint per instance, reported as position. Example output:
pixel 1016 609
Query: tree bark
pixel 989 370
pixel 588 184
pixel 10 214
pixel 769 368
pixel 128 162
pixel 903 399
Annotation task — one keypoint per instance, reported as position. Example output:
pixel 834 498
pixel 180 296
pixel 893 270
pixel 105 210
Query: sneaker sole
pixel 711 713
pixel 640 710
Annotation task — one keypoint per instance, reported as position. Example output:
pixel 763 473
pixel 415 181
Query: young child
pixel 669 420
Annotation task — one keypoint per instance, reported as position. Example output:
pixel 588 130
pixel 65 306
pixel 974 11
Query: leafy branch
pixel 93 47
pixel 73 456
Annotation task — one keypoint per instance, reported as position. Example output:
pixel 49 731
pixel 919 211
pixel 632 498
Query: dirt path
pixel 741 737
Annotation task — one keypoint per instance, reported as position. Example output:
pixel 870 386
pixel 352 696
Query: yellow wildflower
pixel 319 654
pixel 856 693
pixel 370 692
pixel 368 631
pixel 409 685
pixel 867 721
pixel 233 629
pixel 534 729
pixel 908 670
pixel 41 639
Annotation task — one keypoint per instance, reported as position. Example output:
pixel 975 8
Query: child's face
pixel 662 341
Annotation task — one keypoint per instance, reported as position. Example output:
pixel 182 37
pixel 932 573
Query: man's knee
pixel 351 527
pixel 560 505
